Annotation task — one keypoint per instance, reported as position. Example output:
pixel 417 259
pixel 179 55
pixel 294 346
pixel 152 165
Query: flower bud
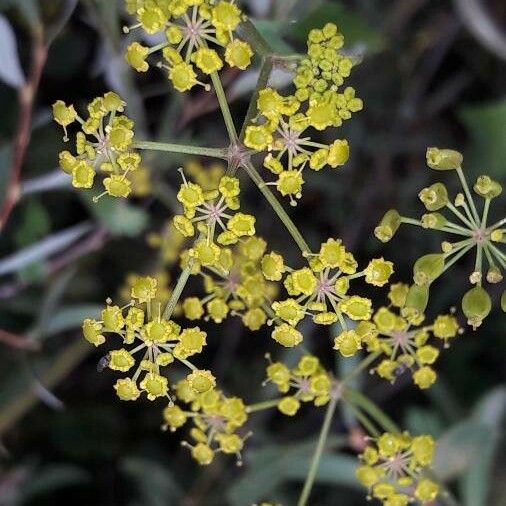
pixel 443 159
pixel 487 188
pixel 476 305
pixel 433 221
pixel 388 226
pixel 494 275
pixel 416 301
pixel 434 197
pixel 428 268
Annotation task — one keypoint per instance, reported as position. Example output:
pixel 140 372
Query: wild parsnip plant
pixel 154 333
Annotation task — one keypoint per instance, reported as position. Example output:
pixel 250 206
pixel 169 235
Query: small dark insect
pixel 103 363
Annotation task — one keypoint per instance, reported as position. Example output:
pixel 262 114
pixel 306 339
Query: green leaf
pixel 117 215
pixel 272 32
pixel 271 466
pixel 155 484
pixel 51 478
pixel 486 124
pixel 69 317
pixel 35 224
pixel 354 28
pixel 476 481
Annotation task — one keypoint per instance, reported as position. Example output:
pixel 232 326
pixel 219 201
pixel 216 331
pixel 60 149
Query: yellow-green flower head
pixel 201 381
pixel 289 405
pixel 196 35
pixel 347 343
pixel 406 345
pixel 102 146
pixel 466 218
pixel 393 467
pixel 378 272
pixel 286 335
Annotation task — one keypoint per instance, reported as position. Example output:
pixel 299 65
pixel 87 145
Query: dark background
pixel 432 73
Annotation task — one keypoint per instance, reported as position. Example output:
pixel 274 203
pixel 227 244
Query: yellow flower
pixel 92 331
pixel 126 389
pixel 120 360
pixel 144 289
pixel 347 343
pixel 378 272
pixel 201 381
pixel 357 308
pixel 183 76
pixel 286 335
pixel 238 54
pixel 154 385
pixel 207 60
pixel 136 57
pixel 117 186
pixel 289 405
pixel 258 137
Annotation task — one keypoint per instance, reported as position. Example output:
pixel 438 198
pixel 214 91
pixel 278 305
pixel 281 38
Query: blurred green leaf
pixel 486 124
pixel 475 484
pixel 421 420
pixel 69 317
pixel 43 249
pixel 355 29
pixel 272 32
pixel 117 215
pixel 51 478
pixel 270 467
pixel 155 482
pixel 35 224
pixel 10 69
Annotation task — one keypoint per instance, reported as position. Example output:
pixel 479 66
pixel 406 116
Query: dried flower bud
pixel 494 275
pixel 434 197
pixel 487 188
pixel 443 159
pixel 388 226
pixel 476 305
pixel 428 268
pixel 433 221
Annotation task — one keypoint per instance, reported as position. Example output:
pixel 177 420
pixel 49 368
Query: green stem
pixel 463 182
pixel 225 110
pixel 484 218
pixel 500 223
pixel 457 257
pixel 364 364
pixel 371 429
pixel 181 148
pixel 188 364
pixel 178 289
pixel 460 216
pixel 263 78
pixel 260 406
pixel 361 401
pixel 277 207
pixel 315 461
pixel 254 38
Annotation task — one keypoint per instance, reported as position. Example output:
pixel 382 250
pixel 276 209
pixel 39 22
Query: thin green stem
pixel 188 364
pixel 254 38
pixel 457 257
pixel 364 364
pixel 178 289
pixel 371 429
pixel 463 182
pixel 225 110
pixel 315 461
pixel 260 406
pixel 181 148
pixel 484 217
pixel 457 230
pixel 361 401
pixel 263 78
pixel 460 216
pixel 277 207
pixel 498 224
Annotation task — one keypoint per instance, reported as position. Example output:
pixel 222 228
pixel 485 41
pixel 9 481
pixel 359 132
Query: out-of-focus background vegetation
pixel 432 73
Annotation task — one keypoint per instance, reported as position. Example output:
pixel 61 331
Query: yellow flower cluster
pixel 308 381
pixel 103 144
pixel 193 31
pixel 215 418
pixel 393 469
pixel 404 341
pixel 281 126
pixel 321 290
pixel 235 286
pixel 471 228
pixel 157 341
pixel 210 212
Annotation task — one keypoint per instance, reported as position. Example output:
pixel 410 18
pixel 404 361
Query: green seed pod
pixel 416 301
pixel 487 188
pixel 388 226
pixel 433 220
pixel 476 305
pixel 428 268
pixel 443 159
pixel 434 197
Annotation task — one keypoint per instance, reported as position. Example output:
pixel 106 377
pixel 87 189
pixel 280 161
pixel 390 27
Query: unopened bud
pixel 388 226
pixel 433 220
pixel 487 188
pixel 428 268
pixel 434 197
pixel 416 301
pixel 476 305
pixel 443 159
pixel 494 275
